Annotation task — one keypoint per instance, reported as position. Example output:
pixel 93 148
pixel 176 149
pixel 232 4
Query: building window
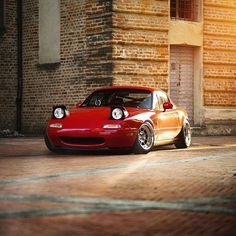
pixel 2 15
pixel 184 9
pixel 49 32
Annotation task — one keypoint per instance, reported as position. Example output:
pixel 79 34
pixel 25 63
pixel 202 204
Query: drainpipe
pixel 19 12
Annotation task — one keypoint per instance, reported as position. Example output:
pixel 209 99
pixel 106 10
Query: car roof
pixel 151 89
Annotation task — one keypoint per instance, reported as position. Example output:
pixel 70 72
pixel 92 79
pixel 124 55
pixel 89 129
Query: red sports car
pixel 126 117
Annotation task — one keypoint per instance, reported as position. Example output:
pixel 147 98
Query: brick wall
pixel 8 68
pixel 85 59
pixel 106 42
pixel 219 56
pixel 103 42
pixel 140 42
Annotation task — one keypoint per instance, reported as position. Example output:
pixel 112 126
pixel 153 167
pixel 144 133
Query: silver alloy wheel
pixel 145 137
pixel 187 134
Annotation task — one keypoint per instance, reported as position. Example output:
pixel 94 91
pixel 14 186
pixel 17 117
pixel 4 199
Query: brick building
pixel 54 52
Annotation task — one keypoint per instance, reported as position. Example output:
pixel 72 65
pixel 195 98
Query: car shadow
pixel 45 153
pixel 106 152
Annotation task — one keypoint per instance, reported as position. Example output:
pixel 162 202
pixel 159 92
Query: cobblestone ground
pixel 165 192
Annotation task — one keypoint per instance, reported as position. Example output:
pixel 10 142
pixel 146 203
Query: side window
pixel 2 15
pixel 156 101
pixel 161 99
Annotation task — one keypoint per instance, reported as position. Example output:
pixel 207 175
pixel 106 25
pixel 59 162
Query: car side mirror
pixel 167 105
pixel 78 104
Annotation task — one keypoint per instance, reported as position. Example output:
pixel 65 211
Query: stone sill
pixel 214 130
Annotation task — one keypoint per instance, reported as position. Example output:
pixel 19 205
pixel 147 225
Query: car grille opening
pixel 83 140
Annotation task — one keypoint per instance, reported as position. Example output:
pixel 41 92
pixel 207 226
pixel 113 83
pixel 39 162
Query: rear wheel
pixel 184 137
pixel 144 140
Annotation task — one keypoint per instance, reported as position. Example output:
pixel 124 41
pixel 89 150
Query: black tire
pixel 184 137
pixel 50 146
pixel 144 140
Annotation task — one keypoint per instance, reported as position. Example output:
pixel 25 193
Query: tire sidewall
pixel 182 141
pixel 138 149
pixel 187 125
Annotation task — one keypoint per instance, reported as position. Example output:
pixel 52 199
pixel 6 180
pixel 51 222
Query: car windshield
pixel 120 97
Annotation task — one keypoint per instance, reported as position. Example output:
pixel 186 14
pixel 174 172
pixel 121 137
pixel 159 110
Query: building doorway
pixel 182 78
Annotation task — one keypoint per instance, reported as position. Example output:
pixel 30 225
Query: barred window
pixel 184 9
pixel 2 15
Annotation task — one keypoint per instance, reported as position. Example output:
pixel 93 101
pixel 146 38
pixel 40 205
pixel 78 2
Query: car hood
pixel 102 112
pixel 94 117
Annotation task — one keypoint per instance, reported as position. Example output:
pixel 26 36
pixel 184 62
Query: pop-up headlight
pixel 118 113
pixel 59 112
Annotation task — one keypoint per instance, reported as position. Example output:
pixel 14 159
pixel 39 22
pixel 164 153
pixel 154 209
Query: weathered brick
pixel 219 55
pixel 105 42
pixel 8 69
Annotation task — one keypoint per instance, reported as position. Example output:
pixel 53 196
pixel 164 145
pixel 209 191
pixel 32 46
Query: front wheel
pixel 144 140
pixel 184 137
pixel 50 145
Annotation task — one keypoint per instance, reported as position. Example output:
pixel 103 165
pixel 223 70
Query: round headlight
pixel 59 113
pixel 117 113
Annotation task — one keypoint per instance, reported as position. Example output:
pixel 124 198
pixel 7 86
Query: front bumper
pixel 98 138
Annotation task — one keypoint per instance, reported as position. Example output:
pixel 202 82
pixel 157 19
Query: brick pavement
pixel 166 192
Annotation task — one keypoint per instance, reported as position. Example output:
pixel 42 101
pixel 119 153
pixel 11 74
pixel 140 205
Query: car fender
pixel 183 117
pixel 137 120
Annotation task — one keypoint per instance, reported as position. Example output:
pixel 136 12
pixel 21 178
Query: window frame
pixel 180 11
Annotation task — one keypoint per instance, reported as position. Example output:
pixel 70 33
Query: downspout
pixel 19 12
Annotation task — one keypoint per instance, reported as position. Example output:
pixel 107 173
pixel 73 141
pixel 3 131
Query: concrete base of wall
pixel 214 130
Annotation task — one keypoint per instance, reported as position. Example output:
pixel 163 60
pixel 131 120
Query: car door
pixel 167 121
